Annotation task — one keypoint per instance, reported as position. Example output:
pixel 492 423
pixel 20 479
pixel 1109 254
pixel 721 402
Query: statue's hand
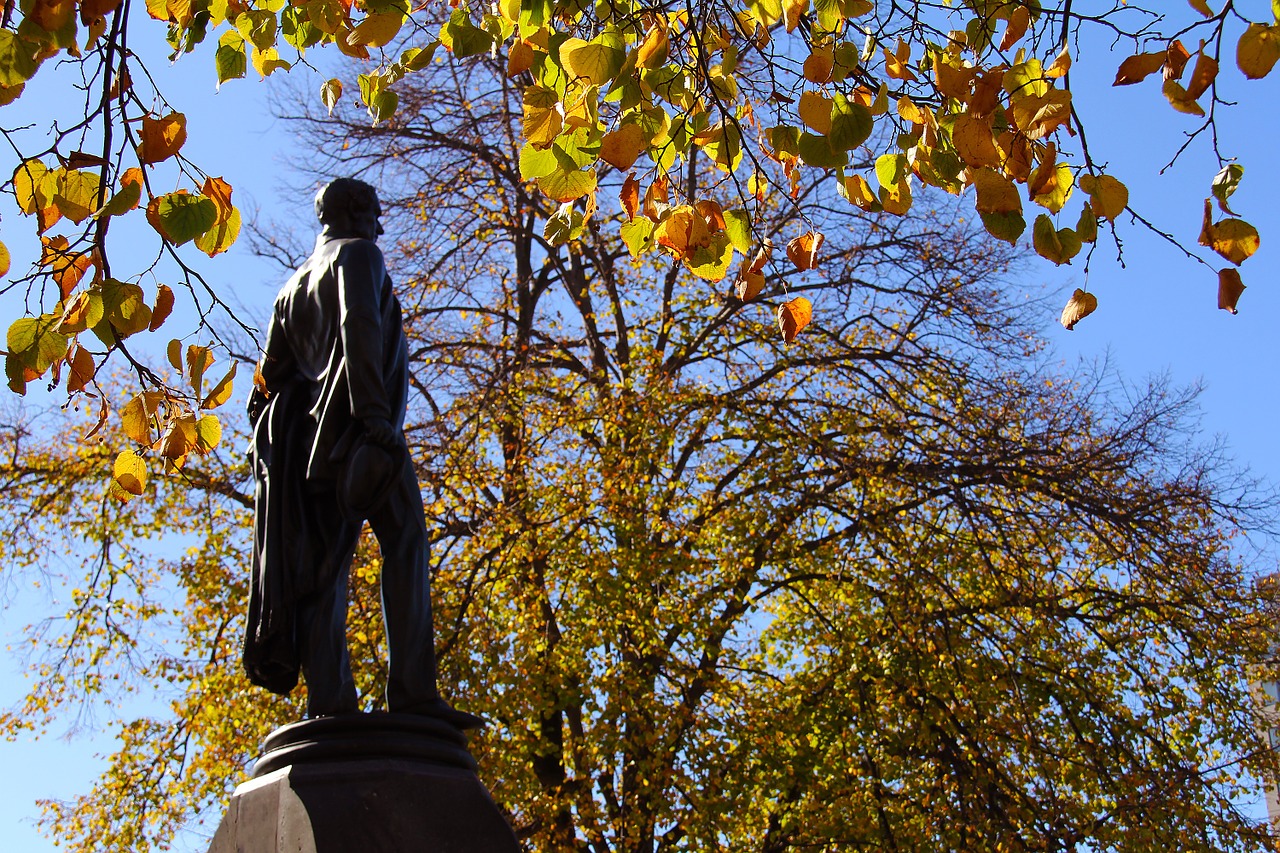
pixel 380 431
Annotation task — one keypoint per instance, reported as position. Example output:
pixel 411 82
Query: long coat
pixel 335 355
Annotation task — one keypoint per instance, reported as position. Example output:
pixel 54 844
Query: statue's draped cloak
pixel 335 355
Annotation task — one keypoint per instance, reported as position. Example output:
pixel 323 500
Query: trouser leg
pixel 406 598
pixel 322 642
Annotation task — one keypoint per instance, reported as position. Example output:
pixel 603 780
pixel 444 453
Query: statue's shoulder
pixel 355 250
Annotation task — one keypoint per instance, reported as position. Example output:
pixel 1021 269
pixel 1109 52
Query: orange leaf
pixel 82 370
pixel 974 143
pixel 1229 289
pixel 630 195
pixel 1138 67
pixel 1202 76
pixel 519 58
pixel 819 64
pixel 164 306
pixel 1175 60
pixel 793 316
pixel 749 285
pixel 1016 28
pixel 896 65
pixel 621 147
pixel 803 250
pixel 162 137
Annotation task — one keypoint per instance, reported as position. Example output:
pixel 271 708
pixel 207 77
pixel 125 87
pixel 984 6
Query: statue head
pixel 347 207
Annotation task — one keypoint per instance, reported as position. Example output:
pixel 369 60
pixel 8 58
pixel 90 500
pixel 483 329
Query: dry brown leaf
pixel 1202 76
pixel 1229 289
pixel 1080 305
pixel 749 285
pixel 1175 60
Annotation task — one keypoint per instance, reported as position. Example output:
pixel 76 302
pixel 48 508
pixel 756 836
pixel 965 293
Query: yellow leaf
pixel 1234 239
pixel 221 392
pixel 815 112
pixel 896 65
pixel 1060 65
pixel 1230 287
pixel 208 434
pixel 519 58
pixel 682 232
pixel 803 250
pixel 162 137
pixel 130 472
pixel 199 359
pixel 1080 305
pixel 1179 100
pixel 973 141
pixel 376 29
pixel 621 147
pixel 1258 50
pixel 5 260
pixel 792 10
pixel 908 110
pixel 543 119
pixel 1202 7
pixel 1016 28
pixel 1053 189
pixel 136 417
pixel 595 62
pixel 859 193
pixel 1107 195
pixel 793 316
pixel 81 370
pixel 180 437
pixel 996 193
pixel 653 51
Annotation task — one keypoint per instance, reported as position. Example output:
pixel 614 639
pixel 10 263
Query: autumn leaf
pixel 814 110
pixel 1225 183
pixel 520 58
pixel 163 307
pixel 81 370
pixel 162 137
pixel 1175 60
pixel 896 64
pixel 653 50
pixel 130 472
pixel 819 64
pixel 803 250
pixel 793 316
pixel 621 147
pixel 1258 50
pixel 1137 68
pixel 221 392
pixel 973 141
pixel 629 196
pixel 1202 76
pixel 1230 288
pixel 331 94
pixel 996 193
pixel 1107 195
pixel 180 216
pixel 1016 28
pixel 1059 245
pixel 377 29
pixel 1080 305
pixel 1234 239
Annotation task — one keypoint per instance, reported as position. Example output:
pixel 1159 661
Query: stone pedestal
pixel 364 783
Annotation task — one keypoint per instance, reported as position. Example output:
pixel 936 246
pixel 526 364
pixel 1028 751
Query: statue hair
pixel 340 197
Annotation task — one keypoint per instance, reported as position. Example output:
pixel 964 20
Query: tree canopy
pixel 902 587
pixel 883 99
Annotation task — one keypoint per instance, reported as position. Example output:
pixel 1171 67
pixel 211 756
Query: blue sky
pixel 1159 315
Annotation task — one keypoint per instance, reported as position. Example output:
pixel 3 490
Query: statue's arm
pixel 360 271
pixel 276 361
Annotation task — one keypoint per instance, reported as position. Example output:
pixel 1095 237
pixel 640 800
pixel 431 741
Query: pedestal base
pixel 409 789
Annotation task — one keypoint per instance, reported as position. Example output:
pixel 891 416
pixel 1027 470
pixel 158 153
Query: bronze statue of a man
pixel 328 453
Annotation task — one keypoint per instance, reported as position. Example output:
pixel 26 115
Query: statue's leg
pixel 322 638
pixel 401 530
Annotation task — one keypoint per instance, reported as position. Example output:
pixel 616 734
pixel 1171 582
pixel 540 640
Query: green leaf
pixel 638 235
pixel 737 224
pixel 230 60
pixel 464 38
pixel 891 169
pixel 564 185
pixel 1059 245
pixel 1087 225
pixel 597 61
pixel 818 151
pixel 258 26
pixel 125 307
pixel 17 59
pixel 180 216
pixel 208 433
pixel 36 341
pixel 785 140
pixel 563 225
pixel 851 123
pixel 712 262
pixel 384 105
pixel 1227 182
pixel 123 201
pixel 535 162
pixel 1004 226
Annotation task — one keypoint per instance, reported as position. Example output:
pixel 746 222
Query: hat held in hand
pixel 368 477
